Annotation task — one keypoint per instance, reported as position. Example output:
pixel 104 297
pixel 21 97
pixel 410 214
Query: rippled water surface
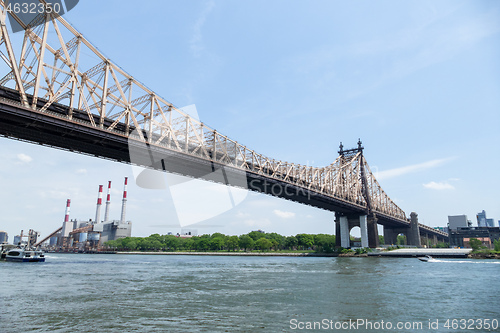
pixel 147 293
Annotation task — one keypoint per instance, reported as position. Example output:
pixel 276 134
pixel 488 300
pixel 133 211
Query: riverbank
pixel 484 256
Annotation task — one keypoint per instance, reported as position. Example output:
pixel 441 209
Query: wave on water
pixel 465 261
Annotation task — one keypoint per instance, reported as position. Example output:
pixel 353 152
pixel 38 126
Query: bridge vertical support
pixel 337 230
pixel 434 240
pixel 424 240
pixel 363 224
pixel 413 236
pixel 390 236
pixel 373 241
pixel 344 232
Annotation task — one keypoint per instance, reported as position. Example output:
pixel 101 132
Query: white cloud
pixel 410 169
pixel 24 158
pixel 282 214
pixel 257 223
pixel 439 186
pixel 241 214
pixel 81 171
pixel 196 42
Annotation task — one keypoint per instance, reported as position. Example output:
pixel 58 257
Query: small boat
pixel 23 254
pixel 425 259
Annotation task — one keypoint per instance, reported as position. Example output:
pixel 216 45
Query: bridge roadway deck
pixel 53 128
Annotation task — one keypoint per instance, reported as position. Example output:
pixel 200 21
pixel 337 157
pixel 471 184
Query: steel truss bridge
pixel 57 89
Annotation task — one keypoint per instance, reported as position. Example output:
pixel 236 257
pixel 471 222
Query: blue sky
pixel 417 81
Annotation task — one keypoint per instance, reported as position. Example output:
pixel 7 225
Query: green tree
pixel 381 239
pixel 217 235
pixel 256 235
pixel 291 242
pixel 217 243
pixel 305 241
pixel 186 244
pixel 112 244
pixel 129 243
pixel 497 245
pixel 324 243
pixel 401 240
pixel 203 244
pixel 246 242
pixel 277 240
pixel 171 242
pixel 232 243
pixel 263 244
pixel 156 237
pixel 475 243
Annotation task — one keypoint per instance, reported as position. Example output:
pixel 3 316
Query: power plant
pixel 88 236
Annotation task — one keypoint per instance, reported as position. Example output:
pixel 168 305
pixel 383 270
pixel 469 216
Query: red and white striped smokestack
pixel 99 204
pixel 108 202
pixel 124 202
pixel 66 214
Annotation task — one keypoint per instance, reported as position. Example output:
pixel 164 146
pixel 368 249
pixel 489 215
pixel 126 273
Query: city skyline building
pixel 483 221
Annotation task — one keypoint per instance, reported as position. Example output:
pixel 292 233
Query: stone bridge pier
pixel 367 224
pixel 412 232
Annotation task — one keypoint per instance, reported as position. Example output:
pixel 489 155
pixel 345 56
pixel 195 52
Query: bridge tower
pixel 412 232
pixel 367 221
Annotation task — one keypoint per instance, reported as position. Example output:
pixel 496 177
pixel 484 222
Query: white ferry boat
pixel 23 252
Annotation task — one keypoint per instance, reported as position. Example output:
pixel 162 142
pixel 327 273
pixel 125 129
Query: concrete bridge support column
pixel 337 230
pixel 424 239
pixel 390 236
pixel 344 232
pixel 363 224
pixel 434 240
pixel 373 240
pixel 413 236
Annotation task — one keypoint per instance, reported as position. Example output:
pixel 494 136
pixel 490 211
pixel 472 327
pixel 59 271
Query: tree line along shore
pixel 253 241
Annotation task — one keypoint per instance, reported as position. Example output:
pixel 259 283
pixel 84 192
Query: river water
pixel 174 293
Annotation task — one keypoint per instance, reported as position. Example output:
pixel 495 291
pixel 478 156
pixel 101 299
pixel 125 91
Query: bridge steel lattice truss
pixel 54 65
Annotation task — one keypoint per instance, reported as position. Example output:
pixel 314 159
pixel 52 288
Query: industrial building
pixel 462 235
pixel 32 237
pixel 83 236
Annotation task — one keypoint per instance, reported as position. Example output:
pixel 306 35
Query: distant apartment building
pixel 4 237
pixel 457 221
pixel 483 221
